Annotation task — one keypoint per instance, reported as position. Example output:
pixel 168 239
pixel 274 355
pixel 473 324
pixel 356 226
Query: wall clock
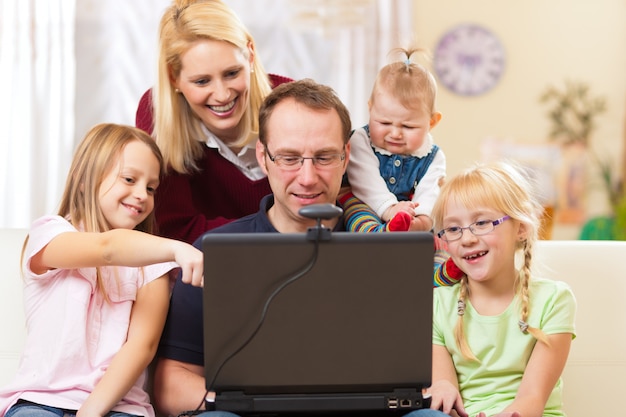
pixel 469 60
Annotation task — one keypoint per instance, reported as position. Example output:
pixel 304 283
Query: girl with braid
pixel 502 336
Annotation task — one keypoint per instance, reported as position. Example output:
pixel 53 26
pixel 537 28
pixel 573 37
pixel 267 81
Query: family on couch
pixel 231 147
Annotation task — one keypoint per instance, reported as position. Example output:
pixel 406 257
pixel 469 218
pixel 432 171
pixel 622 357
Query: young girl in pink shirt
pixel 96 285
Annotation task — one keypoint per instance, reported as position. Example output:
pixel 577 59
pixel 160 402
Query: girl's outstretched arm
pixel 445 388
pixel 146 324
pixel 542 372
pixel 120 247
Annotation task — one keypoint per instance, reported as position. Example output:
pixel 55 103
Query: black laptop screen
pixel 358 320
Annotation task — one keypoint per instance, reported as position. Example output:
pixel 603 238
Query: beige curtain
pixel 36 106
pixel 116 45
pixel 65 65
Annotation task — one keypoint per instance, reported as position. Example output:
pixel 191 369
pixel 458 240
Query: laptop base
pixel 400 400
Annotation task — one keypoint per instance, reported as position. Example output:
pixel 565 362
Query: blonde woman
pixel 203 113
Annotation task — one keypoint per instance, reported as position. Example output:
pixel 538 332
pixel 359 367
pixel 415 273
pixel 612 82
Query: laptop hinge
pixel 398 399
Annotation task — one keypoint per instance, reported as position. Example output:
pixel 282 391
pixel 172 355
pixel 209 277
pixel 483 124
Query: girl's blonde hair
pixel 176 128
pixel 412 84
pixel 505 188
pixel 95 156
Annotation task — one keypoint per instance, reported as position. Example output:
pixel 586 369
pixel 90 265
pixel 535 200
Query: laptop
pixel 299 325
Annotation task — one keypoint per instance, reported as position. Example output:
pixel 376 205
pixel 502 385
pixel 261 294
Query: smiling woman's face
pixel 215 81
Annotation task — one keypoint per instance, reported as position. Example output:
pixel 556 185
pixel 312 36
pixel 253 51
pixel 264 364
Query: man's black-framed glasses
pixel 479 228
pixel 295 162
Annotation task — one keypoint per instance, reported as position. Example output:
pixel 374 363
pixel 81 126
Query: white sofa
pixel 593 377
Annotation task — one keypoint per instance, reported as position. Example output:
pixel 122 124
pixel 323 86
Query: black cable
pixel 317 233
pixel 266 306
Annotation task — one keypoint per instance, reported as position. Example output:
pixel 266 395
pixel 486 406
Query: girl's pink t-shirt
pixel 73 333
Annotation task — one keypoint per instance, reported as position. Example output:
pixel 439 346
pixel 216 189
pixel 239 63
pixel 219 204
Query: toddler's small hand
pixel 406 206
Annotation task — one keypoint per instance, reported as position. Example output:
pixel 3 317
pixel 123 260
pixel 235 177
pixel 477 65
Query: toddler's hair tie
pixel 407 62
pixel 460 307
pixel 523 326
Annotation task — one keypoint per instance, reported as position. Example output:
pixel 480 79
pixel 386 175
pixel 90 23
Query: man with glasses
pixel 303 148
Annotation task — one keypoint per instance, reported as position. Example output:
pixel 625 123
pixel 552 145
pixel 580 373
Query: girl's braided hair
pixel 504 187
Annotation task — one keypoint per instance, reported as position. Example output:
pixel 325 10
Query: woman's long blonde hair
pixel 177 130
pixel 503 187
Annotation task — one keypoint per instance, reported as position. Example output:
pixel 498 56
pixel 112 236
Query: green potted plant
pixel 572 112
pixel 617 198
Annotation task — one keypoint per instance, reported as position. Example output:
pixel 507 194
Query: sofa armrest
pixel 594 374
